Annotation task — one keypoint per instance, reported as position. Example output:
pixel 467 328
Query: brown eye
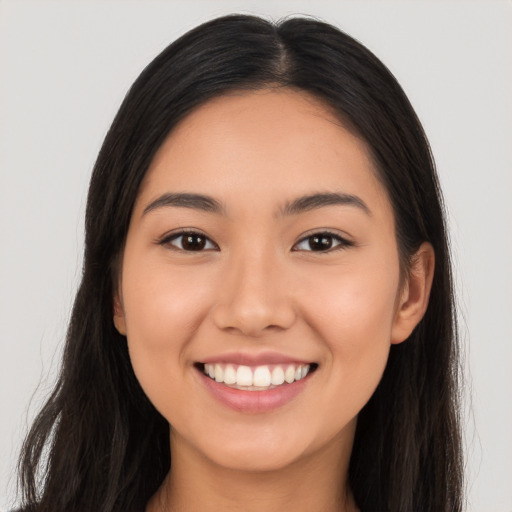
pixel 193 242
pixel 189 241
pixel 322 242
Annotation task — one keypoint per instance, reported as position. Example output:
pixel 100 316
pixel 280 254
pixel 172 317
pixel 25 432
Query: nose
pixel 255 297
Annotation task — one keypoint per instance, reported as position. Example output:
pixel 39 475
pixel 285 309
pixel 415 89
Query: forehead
pixel 266 144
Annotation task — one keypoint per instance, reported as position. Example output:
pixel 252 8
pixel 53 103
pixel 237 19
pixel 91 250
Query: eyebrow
pixel 320 200
pixel 299 205
pixel 186 200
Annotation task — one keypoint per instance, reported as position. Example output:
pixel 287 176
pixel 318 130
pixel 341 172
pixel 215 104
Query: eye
pixel 189 241
pixel 322 242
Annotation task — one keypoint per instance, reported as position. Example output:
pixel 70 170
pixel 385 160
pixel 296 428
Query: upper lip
pixel 257 359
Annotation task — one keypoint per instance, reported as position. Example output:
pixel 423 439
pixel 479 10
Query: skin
pixel 259 286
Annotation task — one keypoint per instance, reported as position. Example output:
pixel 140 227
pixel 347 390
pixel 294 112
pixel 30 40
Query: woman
pixel 266 317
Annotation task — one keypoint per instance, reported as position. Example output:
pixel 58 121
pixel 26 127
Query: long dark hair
pixel 99 444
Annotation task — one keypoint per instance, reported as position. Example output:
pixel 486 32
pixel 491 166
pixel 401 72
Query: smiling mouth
pixel 256 378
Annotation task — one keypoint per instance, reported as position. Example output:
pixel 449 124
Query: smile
pixel 256 388
pixel 257 378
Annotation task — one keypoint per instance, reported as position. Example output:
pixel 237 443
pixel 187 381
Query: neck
pixel 315 482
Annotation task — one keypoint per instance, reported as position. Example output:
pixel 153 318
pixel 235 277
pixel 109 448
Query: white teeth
pixel 255 378
pixel 289 374
pixel 219 373
pixel 277 376
pixel 229 375
pixel 262 377
pixel 244 376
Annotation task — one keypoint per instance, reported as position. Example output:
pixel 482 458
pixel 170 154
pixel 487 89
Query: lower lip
pixel 254 401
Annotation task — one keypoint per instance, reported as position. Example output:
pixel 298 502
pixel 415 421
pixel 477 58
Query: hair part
pixel 108 447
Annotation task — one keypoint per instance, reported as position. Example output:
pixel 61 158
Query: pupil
pixel 193 242
pixel 319 243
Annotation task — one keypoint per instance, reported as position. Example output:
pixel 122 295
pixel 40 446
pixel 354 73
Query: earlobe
pixel 119 318
pixel 415 294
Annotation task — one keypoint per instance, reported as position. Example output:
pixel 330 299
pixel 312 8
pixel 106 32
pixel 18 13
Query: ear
pixel 415 294
pixel 119 317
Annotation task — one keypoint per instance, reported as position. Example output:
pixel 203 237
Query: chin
pixel 269 450
pixel 259 460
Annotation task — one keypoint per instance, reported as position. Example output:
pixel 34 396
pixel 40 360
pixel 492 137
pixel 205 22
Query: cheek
pixel 163 311
pixel 352 313
pixel 354 305
pixel 161 307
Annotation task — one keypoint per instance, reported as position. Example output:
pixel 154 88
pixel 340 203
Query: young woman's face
pixel 261 246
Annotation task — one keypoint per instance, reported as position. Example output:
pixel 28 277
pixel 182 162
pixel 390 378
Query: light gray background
pixel 65 67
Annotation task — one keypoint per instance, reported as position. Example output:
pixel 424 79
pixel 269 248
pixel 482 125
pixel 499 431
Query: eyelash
pixel 342 242
pixel 166 241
